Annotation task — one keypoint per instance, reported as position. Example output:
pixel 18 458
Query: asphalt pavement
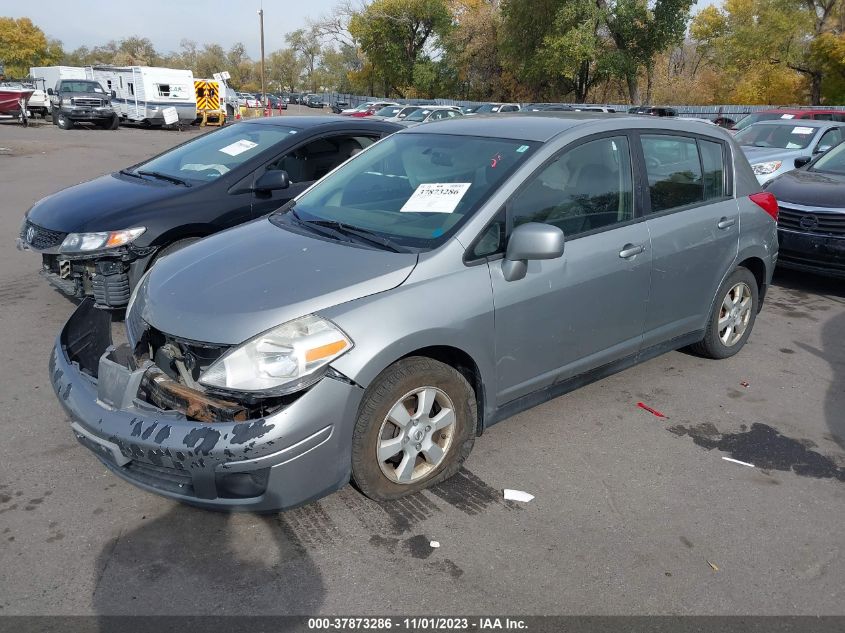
pixel 633 513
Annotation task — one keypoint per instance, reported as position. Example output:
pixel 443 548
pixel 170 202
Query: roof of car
pixel 799 111
pixel 305 122
pixel 544 125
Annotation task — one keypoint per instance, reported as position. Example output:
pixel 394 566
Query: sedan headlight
pixel 84 242
pixel 761 169
pixel 282 360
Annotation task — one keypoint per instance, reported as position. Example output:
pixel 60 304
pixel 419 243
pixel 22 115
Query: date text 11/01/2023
pixel 417 624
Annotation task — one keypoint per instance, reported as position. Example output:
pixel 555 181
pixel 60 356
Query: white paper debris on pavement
pixel 435 544
pixel 517 495
pixel 736 461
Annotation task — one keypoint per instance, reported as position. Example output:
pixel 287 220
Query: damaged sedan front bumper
pixel 299 452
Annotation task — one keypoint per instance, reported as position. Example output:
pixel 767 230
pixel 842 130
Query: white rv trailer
pixel 142 93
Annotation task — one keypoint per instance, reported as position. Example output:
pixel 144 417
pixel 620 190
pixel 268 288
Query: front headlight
pixel 761 169
pixel 84 242
pixel 282 360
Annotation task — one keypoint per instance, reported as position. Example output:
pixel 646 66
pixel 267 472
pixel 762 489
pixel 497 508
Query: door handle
pixel 726 223
pixel 630 250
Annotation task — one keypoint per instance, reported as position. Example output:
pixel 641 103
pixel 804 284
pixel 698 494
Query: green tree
pixel 472 48
pixel 285 68
pixel 22 45
pixel 306 42
pixel 397 35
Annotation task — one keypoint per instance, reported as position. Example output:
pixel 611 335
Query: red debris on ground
pixel 642 405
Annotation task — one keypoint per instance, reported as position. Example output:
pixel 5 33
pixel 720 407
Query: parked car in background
pixel 314 101
pixel 445 279
pixel 395 113
pixel 276 102
pixel 495 108
pixel 813 114
pixel 368 109
pixel 339 106
pixel 549 107
pixel 75 101
pixel 725 122
pixel 772 146
pixel 604 109
pixel 469 109
pixel 248 100
pixel 97 238
pixel 653 111
pixel 811 223
pixel 431 113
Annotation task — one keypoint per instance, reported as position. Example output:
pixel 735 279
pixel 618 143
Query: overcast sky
pixel 167 22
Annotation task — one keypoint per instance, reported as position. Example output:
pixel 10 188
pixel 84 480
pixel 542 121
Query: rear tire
pixel 112 124
pixel 415 428
pixel 732 316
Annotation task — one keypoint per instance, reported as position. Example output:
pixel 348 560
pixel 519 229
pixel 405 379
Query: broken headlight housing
pixel 282 360
pixel 84 242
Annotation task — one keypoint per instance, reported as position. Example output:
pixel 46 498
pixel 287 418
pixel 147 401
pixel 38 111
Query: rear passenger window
pixel 587 187
pixel 674 171
pixel 713 160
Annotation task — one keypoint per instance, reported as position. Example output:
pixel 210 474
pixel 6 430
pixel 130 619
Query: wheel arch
pixel 758 268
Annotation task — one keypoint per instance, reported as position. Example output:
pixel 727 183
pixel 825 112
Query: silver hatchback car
pixel 442 280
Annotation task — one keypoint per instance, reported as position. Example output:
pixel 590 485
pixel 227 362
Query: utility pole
pixel 261 21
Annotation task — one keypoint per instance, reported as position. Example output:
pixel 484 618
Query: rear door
pixel 587 308
pixel 693 221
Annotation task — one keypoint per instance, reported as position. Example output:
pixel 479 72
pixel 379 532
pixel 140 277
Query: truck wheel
pixel 53 117
pixel 112 124
pixel 63 122
pixel 415 428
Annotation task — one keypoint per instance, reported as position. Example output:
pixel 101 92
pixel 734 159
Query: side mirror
pixel 50 91
pixel 114 94
pixel 531 241
pixel 272 180
pixel 821 149
pixel 802 160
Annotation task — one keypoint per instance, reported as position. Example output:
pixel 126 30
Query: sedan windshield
pixel 418 116
pixel 786 136
pixel 762 116
pixel 488 107
pixel 413 189
pixel 832 161
pixel 389 111
pixel 215 154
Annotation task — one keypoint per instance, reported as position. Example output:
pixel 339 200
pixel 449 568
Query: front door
pixel 587 308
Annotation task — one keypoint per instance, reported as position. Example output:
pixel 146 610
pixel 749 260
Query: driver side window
pixel 587 187
pixel 314 160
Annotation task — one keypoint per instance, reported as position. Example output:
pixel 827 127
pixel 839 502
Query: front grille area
pixel 87 102
pixel 819 222
pixel 40 238
pixel 169 479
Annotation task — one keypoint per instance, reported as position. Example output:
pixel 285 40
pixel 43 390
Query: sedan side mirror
pixel 272 180
pixel 802 160
pixel 50 91
pixel 531 241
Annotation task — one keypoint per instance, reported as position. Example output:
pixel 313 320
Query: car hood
pixel 100 204
pixel 236 284
pixel 810 188
pixel 762 154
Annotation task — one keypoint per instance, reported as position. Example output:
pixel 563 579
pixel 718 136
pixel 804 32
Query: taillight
pixel 767 202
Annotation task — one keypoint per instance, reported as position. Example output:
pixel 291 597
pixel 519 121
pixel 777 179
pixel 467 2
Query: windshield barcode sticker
pixel 436 197
pixel 238 147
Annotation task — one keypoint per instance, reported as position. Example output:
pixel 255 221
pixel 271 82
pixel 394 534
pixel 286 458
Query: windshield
pixel 414 189
pixel 832 161
pixel 216 153
pixel 762 116
pixel 786 136
pixel 389 111
pixel 488 107
pixel 419 115
pixel 81 86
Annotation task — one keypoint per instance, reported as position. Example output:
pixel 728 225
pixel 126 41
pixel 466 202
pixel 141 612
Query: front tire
pixel 415 428
pixel 732 316
pixel 63 122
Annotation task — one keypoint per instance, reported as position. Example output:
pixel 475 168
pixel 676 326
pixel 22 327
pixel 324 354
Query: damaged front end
pixel 142 411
